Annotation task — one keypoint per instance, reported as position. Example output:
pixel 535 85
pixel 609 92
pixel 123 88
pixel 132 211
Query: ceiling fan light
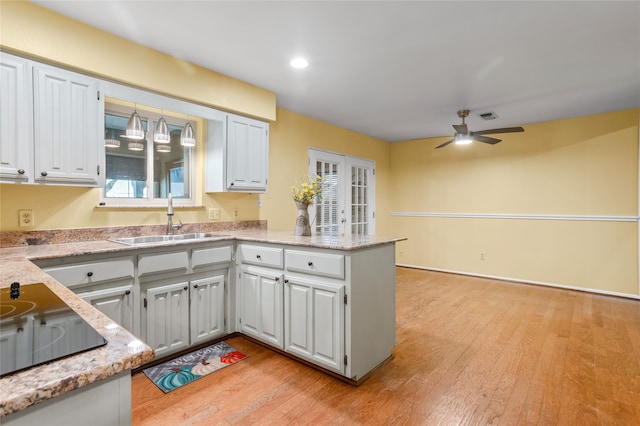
pixel 135 130
pixel 188 137
pixel 161 132
pixel 463 140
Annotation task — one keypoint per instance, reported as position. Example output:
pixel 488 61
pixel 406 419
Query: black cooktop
pixel 36 327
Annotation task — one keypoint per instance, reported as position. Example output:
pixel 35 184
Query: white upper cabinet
pixel 49 124
pixel 66 127
pixel 237 155
pixel 16 115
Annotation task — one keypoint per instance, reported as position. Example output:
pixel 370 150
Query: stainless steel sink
pixel 155 239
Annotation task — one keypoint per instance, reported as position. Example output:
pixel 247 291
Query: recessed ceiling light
pixel 299 63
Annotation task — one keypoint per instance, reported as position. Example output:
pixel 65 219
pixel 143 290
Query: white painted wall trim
pixel 520 216
pixel 515 280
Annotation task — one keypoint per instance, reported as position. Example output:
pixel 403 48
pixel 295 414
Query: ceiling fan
pixel 464 136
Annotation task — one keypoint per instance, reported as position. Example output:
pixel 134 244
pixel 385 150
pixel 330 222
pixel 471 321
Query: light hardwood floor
pixel 469 351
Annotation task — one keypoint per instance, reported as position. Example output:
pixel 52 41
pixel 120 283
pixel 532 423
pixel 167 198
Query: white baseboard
pixel 516 280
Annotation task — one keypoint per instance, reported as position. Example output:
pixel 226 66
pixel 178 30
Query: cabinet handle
pixel 186 288
pixel 89 274
pixel 195 286
pixel 258 256
pixel 277 279
pixel 286 281
pixel 43 173
pixel 20 171
pixel 231 184
pixel 128 292
pixel 310 264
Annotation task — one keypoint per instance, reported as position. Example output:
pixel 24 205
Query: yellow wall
pixel 290 138
pixel 585 166
pixel 43 34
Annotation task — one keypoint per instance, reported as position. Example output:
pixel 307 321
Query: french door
pixel 347 204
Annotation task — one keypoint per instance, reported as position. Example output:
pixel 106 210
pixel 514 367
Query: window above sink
pixel 141 171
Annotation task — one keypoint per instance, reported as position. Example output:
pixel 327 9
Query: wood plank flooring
pixel 469 351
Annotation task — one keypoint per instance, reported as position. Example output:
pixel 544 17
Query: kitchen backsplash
pixel 56 236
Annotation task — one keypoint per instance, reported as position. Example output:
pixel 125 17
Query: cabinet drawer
pixel 258 255
pixel 88 273
pixel 162 262
pixel 210 256
pixel 328 265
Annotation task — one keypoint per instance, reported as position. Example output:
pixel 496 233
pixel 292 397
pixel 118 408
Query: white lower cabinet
pixel 207 308
pixel 314 321
pixel 166 317
pixel 108 283
pixel 171 299
pixel 115 302
pixel 181 314
pixel 183 297
pixel 260 304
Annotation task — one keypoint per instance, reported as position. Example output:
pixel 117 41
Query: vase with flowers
pixel 303 196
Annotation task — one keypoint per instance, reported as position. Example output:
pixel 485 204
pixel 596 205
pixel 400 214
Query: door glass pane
pixel 326 221
pixel 359 189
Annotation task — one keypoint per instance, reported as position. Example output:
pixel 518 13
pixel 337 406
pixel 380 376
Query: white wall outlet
pixel 25 218
pixel 214 214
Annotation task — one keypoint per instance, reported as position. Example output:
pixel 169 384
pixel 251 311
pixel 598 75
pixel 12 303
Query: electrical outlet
pixel 235 213
pixel 482 256
pixel 214 214
pixel 25 218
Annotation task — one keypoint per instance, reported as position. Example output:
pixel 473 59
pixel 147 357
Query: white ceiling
pixel 400 70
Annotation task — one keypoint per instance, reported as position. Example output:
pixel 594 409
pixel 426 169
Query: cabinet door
pixel 16 115
pixel 207 308
pixel 116 303
pixel 314 321
pixel 167 317
pixel 247 154
pixel 260 305
pixel 66 127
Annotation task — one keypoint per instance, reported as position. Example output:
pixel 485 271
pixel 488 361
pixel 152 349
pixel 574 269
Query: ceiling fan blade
pixel 485 139
pixel 502 130
pixel 461 128
pixel 444 144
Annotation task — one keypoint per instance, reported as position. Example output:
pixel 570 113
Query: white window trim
pixel 156 101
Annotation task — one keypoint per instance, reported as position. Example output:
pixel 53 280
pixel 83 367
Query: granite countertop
pixel 334 242
pixel 29 387
pixel 123 351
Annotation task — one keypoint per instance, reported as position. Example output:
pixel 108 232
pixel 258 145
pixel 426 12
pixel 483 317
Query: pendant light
pixel 163 148
pixel 111 139
pixel 135 146
pixel 161 132
pixel 134 127
pixel 188 137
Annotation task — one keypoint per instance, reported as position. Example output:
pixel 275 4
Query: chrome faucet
pixel 170 226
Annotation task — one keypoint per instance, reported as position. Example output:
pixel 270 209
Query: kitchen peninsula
pixel 331 303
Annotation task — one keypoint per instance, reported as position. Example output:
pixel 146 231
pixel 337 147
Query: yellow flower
pixel 308 191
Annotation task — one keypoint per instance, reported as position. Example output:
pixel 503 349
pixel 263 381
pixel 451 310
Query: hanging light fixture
pixel 163 148
pixel 111 139
pixel 188 136
pixel 135 146
pixel 161 132
pixel 135 130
